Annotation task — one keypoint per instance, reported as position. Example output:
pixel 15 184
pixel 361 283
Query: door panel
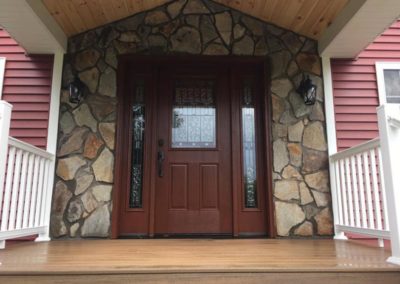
pixel 194 120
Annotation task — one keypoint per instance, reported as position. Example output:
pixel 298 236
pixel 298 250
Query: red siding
pixel 355 89
pixel 27 86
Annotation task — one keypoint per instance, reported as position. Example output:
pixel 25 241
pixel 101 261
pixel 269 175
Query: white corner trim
pixel 55 103
pixel 2 72
pixel 380 79
pixel 329 105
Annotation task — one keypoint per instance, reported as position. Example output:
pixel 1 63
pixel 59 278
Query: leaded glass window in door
pixel 194 114
pixel 249 147
pixel 138 130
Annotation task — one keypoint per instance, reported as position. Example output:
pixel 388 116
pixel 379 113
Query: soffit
pixel 306 17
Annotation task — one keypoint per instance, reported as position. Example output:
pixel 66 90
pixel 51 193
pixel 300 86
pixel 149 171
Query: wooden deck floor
pixel 186 259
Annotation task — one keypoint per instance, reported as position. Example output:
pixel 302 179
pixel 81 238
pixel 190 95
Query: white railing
pixel 358 192
pixel 25 185
pixel 389 133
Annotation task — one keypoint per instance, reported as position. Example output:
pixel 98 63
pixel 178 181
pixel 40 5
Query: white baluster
pixel 34 192
pixel 368 189
pixel 375 190
pixel 383 191
pixel 22 190
pixel 28 191
pixel 355 191
pixel 362 194
pixel 45 193
pixel 7 193
pixel 344 195
pixel 349 192
pixel 339 194
pixel 40 192
pixel 15 190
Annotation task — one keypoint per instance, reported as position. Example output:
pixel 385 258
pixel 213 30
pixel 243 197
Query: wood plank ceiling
pixel 306 17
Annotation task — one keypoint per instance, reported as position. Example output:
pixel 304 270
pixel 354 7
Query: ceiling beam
pixel 32 26
pixel 360 22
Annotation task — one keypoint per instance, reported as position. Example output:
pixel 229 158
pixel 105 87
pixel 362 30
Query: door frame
pixel 121 159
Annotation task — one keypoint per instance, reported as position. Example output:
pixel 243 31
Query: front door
pixel 193 189
pixel 192 155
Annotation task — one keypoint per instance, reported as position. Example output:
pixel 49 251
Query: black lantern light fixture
pixel 307 90
pixel 76 88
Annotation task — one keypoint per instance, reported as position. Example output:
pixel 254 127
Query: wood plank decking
pixel 196 261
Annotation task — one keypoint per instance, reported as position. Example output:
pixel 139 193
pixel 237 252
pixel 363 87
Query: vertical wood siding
pixel 27 86
pixel 355 89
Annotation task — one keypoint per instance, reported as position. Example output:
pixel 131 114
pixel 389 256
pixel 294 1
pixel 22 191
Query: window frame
pixel 2 74
pixel 380 78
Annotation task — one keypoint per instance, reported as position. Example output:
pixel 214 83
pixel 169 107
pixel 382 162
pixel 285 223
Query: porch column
pixel 389 132
pixel 52 137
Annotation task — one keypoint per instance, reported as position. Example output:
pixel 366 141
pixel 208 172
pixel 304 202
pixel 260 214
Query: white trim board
pixel 2 73
pixel 380 79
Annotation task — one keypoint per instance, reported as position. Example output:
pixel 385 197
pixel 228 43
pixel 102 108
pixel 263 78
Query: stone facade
pixel 82 200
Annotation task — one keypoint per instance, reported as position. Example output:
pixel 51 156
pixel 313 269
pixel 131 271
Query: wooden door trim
pixel 120 173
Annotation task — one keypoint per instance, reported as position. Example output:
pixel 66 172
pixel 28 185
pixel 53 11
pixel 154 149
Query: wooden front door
pixel 193 189
pixel 192 148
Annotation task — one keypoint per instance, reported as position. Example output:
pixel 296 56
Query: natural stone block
pixel 103 167
pixel 253 25
pixel 299 107
pixel 317 113
pixel 193 20
pixel 261 48
pixel 287 190
pixel 295 154
pixel 90 78
pixel 186 39
pixel 318 181
pixel 73 230
pixel 101 106
pixel 66 168
pixel 175 8
pixel 295 132
pixel 279 131
pixel 309 63
pixel 293 69
pixel 324 222
pixel 279 63
pixel 107 131
pixel 292 42
pixel 67 123
pixel 245 46
pixel 73 143
pixel 75 210
pixel 129 36
pixel 223 22
pixel 195 7
pixel 92 146
pixel 102 193
pixel 281 87
pixel 305 195
pixel 86 59
pixel 97 224
pixel 216 49
pixel 290 172
pixel 84 117
pixel 288 215
pixel 278 107
pixel 304 230
pixel 157 17
pixel 281 158
pixel 314 160
pixel 314 136
pixel 107 36
pixel 321 199
pixel 207 29
pixel 108 83
pixel 61 197
pixel 238 31
pixel 88 201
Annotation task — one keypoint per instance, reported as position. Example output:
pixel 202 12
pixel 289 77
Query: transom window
pixel 388 78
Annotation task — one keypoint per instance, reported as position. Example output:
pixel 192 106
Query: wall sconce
pixel 307 90
pixel 76 88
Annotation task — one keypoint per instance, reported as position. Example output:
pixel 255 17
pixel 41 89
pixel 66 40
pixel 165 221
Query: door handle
pixel 160 158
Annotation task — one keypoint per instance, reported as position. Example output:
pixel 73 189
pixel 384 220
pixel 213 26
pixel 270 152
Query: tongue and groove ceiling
pixel 306 17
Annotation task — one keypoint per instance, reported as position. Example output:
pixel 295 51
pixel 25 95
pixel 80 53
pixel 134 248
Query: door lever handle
pixel 160 158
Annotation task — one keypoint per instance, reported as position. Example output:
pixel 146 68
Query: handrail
pixel 355 150
pixel 29 148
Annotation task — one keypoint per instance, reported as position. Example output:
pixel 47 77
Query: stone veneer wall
pixel 82 200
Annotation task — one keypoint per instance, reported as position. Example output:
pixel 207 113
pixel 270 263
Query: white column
pixel 5 119
pixel 389 133
pixel 52 140
pixel 332 145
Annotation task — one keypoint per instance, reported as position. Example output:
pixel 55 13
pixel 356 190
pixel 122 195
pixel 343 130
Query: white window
pixel 388 77
pixel 2 69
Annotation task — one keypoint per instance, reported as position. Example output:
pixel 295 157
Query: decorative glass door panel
pixel 194 115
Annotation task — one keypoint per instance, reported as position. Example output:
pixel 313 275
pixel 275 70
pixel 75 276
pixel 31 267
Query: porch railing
pixel 25 189
pixel 365 183
pixel 360 202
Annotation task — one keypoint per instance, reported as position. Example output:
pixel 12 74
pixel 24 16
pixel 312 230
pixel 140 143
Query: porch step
pixel 197 261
